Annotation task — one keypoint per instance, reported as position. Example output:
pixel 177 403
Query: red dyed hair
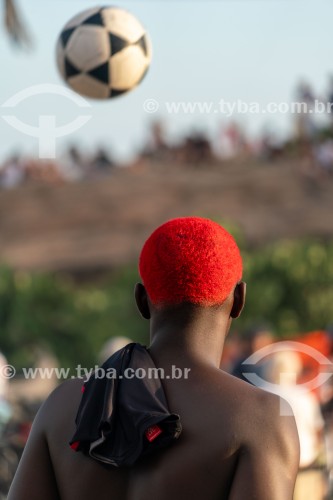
pixel 190 259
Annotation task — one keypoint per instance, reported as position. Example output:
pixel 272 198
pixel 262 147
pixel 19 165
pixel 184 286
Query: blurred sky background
pixel 203 51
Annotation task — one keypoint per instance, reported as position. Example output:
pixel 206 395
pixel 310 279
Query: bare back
pixel 234 445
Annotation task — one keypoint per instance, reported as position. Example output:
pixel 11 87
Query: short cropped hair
pixel 190 260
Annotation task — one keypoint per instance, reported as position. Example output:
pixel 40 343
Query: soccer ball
pixel 103 52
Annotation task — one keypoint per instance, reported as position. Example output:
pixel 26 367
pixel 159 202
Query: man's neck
pixel 189 340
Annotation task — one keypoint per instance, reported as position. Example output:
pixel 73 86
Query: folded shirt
pixel 124 415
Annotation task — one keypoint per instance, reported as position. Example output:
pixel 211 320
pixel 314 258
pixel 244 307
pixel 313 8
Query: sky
pixel 247 50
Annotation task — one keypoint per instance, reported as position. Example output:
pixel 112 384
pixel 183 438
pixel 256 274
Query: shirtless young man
pixel 234 444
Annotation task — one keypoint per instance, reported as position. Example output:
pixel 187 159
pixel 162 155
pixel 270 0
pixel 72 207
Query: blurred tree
pixel 52 313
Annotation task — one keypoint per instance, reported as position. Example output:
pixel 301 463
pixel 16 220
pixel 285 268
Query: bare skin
pixel 234 444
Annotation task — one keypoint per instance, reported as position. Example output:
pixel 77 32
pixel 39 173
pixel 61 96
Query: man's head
pixel 190 260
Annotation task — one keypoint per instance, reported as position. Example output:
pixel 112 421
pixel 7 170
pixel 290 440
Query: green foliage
pixel 73 322
pixel 290 285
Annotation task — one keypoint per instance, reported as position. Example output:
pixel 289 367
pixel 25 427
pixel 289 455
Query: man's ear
pixel 141 299
pixel 239 300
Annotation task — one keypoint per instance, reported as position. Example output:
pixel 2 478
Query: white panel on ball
pixel 127 68
pixel 88 47
pixel 123 24
pixel 90 87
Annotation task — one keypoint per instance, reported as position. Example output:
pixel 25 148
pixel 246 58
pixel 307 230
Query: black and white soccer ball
pixel 103 52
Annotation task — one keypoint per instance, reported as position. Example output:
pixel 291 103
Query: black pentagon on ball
pixel 101 73
pixel 142 42
pixel 117 44
pixel 95 19
pixel 66 35
pixel 116 93
pixel 70 69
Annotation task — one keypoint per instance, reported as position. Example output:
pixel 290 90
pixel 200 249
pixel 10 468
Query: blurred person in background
pixel 12 173
pixel 5 410
pixel 326 400
pixel 101 164
pixel 330 99
pixel 280 376
pixel 8 457
pixel 111 346
pixel 255 338
pixel 306 128
pixel 323 152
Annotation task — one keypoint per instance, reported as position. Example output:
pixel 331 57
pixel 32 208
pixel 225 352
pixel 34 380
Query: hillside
pixel 101 224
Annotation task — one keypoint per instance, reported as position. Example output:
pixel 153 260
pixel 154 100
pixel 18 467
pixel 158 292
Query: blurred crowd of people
pixel 314 131
pixel 311 143
pixel 73 166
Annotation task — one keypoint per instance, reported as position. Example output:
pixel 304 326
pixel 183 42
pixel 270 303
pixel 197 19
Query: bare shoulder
pixel 36 472
pixel 268 456
pixel 265 415
pixel 276 423
pixel 52 416
pixel 67 390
